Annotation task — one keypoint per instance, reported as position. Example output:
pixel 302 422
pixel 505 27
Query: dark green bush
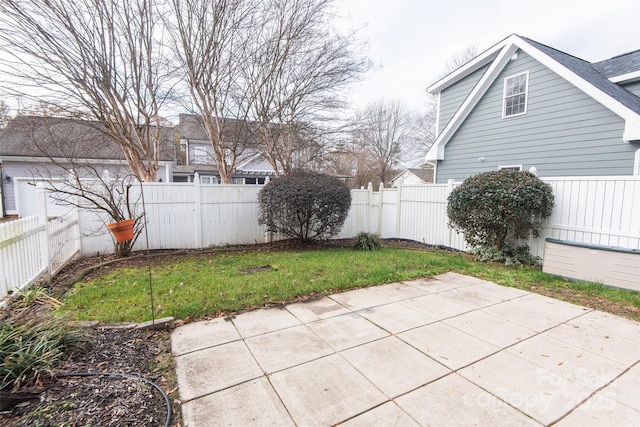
pixel 305 205
pixel 496 209
pixel 366 241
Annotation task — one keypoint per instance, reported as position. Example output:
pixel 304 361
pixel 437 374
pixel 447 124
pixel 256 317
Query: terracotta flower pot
pixel 122 230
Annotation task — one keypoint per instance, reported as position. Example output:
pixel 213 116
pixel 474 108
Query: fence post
pixel 398 209
pixel 43 222
pixel 380 200
pixel 369 211
pixel 198 208
pixel 450 183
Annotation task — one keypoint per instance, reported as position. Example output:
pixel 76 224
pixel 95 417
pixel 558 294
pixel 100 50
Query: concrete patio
pixel 448 351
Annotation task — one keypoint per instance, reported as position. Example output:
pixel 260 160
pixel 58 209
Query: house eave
pixel 626 78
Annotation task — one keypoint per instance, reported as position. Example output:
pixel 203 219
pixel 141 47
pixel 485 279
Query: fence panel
pixel 230 215
pixel 64 241
pixel 19 253
pixel 593 210
pixel 359 218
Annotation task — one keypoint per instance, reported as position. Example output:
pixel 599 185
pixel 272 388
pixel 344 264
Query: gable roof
pixel 425 174
pixel 55 137
pixel 191 127
pixel 582 74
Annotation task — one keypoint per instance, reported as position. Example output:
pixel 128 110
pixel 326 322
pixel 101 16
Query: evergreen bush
pixel 305 205
pixel 496 210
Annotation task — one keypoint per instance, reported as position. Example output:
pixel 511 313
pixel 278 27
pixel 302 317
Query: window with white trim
pixel 200 155
pixel 516 168
pixel 515 95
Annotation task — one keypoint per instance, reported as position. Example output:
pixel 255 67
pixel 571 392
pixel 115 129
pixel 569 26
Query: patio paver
pixel 449 350
pixel 200 335
pixel 537 392
pixel 261 321
pixel 387 415
pixel 454 401
pixel 346 331
pixel 394 366
pixel 286 348
pixel 447 345
pixel 325 391
pixel 251 403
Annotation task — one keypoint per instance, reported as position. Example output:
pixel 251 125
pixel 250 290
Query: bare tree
pixel 382 129
pixel 423 134
pixel 211 42
pixel 68 152
pixel 353 162
pixel 458 59
pixel 5 114
pixel 299 66
pixel 102 57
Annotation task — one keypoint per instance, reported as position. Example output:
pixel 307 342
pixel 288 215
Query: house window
pixel 200 156
pixel 255 181
pixel 515 95
pixel 516 168
pixel 208 179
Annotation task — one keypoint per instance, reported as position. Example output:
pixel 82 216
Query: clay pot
pixel 122 230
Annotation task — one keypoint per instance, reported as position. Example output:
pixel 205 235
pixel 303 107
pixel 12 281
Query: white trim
pixel 436 152
pixel 519 167
pixel 61 160
pixel 438 115
pixel 526 93
pixel 636 163
pixel 626 78
pixel 478 62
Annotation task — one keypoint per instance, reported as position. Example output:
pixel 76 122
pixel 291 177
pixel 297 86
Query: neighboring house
pixel 39 148
pixel 526 106
pixel 196 154
pixel 413 176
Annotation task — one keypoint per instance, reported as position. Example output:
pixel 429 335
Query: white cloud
pixel 411 40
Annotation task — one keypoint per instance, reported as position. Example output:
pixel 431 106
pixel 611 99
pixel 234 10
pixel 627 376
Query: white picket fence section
pixel 35 246
pixel 591 210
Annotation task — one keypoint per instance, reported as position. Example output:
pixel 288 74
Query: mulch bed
pixel 105 400
pixel 98 400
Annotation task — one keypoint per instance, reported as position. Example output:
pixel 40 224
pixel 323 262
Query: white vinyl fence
pixel 593 210
pixel 35 246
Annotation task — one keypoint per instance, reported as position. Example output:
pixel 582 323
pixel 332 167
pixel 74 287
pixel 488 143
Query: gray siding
pixel 18 169
pixel 452 98
pixel 563 133
pixel 633 87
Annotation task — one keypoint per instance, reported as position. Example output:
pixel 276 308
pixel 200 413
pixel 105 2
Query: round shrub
pixel 305 205
pixel 366 241
pixel 496 209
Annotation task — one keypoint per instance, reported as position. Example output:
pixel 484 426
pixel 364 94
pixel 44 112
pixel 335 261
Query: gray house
pixel 35 147
pixel 196 153
pixel 526 106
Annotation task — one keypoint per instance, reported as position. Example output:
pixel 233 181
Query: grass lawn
pixel 216 283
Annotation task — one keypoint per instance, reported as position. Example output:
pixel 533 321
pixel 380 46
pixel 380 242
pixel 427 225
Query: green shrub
pixel 366 241
pixel 305 205
pixel 494 210
pixel 508 255
pixel 28 351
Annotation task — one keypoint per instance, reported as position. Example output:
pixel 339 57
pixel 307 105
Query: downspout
pixel 435 169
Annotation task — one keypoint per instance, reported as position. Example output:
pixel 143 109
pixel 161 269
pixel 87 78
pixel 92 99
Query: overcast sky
pixel 410 40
